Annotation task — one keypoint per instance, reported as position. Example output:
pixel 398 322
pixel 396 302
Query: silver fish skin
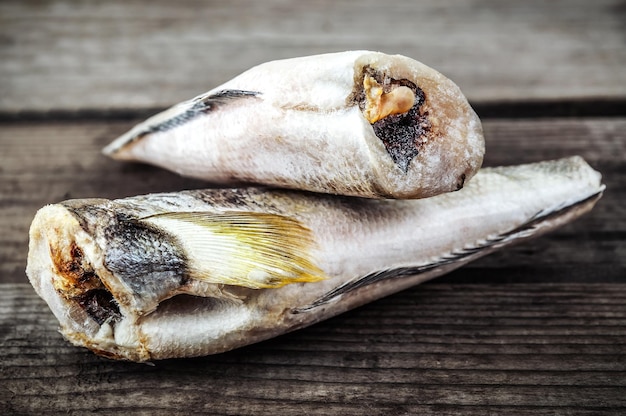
pixel 201 272
pixel 356 123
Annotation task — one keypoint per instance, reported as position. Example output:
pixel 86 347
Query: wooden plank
pixel 76 55
pixel 434 349
pixel 48 162
pixel 537 329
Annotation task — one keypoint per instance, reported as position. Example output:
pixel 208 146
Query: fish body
pixel 354 123
pixel 205 271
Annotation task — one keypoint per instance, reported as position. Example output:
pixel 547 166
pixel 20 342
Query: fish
pixel 356 123
pixel 201 272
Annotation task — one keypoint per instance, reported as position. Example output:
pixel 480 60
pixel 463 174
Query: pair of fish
pixel 205 271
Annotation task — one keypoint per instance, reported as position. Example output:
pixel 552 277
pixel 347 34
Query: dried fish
pixel 202 272
pixel 354 123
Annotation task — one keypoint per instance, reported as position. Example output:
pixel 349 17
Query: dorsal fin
pixel 200 105
pixel 178 115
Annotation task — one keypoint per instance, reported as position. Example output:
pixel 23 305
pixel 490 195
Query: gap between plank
pixel 599 107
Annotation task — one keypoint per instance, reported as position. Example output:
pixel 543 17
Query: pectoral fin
pixel 249 249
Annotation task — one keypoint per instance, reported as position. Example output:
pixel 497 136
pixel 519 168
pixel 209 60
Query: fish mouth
pixel 78 283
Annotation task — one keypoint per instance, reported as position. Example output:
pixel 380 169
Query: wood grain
pixel 76 55
pixel 438 348
pixel 537 329
pixel 533 330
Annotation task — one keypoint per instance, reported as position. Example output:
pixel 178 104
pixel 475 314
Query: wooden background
pixel 537 329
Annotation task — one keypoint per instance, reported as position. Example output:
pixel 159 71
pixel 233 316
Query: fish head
pixel 101 272
pixel 63 268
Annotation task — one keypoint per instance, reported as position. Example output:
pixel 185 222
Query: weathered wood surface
pixel 121 54
pixel 445 349
pixel 537 329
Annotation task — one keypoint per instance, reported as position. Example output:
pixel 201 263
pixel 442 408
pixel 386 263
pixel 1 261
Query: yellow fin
pixel 250 249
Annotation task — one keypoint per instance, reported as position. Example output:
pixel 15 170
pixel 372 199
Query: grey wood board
pixel 435 349
pixel 75 55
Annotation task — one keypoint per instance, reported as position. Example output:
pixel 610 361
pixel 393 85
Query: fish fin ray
pixel 178 115
pixel 249 249
pixel 202 104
